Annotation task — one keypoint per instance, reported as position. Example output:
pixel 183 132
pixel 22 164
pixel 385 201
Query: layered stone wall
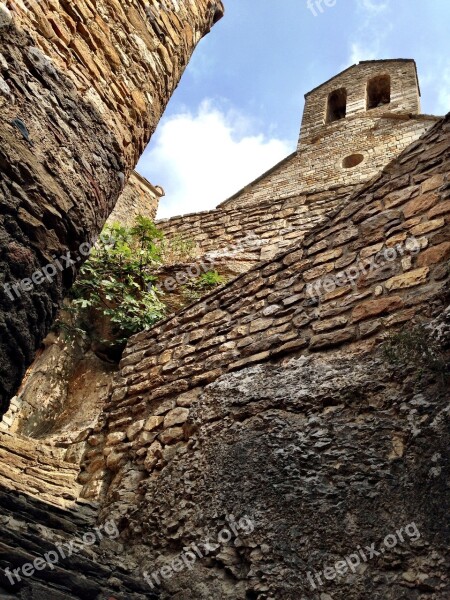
pixel 380 261
pixel 283 204
pixel 42 519
pixel 268 362
pixel 378 135
pixel 139 197
pixel 82 87
pixel 273 224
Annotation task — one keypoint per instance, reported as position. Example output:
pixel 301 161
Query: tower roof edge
pixel 366 62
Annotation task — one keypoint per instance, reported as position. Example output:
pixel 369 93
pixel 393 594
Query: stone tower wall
pixel 139 197
pixel 82 87
pixel 292 197
pixel 405 95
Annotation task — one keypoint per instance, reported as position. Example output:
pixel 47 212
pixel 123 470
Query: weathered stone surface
pixel 176 416
pixel 373 308
pixel 171 435
pixel 434 255
pixel 91 83
pixel 153 422
pixel 134 429
pixel 420 205
pixel 345 437
pixel 330 340
pixel 321 453
pixel 409 279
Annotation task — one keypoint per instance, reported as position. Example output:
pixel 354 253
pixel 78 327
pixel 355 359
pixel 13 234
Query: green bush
pixel 113 288
pixel 201 285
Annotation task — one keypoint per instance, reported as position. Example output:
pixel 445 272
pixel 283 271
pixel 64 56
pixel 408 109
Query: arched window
pixel 378 91
pixel 337 105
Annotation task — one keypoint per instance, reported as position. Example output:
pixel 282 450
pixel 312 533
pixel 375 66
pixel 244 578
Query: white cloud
pixel 203 158
pixel 435 84
pixel 374 6
pixel 361 51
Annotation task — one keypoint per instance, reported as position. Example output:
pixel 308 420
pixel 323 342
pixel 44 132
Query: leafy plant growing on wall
pixel 201 285
pixel 178 250
pixel 112 291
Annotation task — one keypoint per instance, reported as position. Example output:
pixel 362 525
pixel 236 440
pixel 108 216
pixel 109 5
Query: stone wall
pixel 82 87
pixel 279 207
pixel 379 135
pixel 63 390
pixel 209 404
pixel 139 197
pixel 40 515
pixel 273 224
pixel 272 310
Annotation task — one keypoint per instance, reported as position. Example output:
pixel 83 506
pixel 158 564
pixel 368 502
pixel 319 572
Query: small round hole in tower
pixel 352 161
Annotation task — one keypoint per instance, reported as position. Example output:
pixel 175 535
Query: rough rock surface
pixel 325 454
pixel 30 530
pixel 82 87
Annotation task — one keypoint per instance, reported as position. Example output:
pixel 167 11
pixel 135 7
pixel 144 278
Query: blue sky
pixel 238 108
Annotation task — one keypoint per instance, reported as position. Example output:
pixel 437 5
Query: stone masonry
pixel 333 295
pixel 298 193
pixel 82 87
pixel 270 398
pixel 139 197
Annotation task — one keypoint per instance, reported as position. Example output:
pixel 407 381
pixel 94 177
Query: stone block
pixel 407 280
pixel 427 226
pixel 171 435
pixel 330 340
pixel 260 324
pixel 327 325
pixel 176 416
pixel 442 208
pixel 434 255
pixel 432 183
pixel 420 205
pixel 374 308
pixel 153 422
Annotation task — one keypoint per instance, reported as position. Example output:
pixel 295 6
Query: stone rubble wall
pixel 379 134
pixel 267 313
pixel 301 190
pixel 139 197
pixel 272 224
pixel 37 469
pixel 325 454
pixel 64 378
pixel 40 515
pixel 82 88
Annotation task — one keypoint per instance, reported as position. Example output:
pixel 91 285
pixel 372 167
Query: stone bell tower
pixel 353 125
pixel 359 120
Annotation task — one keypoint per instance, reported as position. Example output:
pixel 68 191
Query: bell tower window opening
pixel 337 105
pixel 378 91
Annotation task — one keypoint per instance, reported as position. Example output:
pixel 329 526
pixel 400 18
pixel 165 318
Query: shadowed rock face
pixel 326 455
pixel 81 92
